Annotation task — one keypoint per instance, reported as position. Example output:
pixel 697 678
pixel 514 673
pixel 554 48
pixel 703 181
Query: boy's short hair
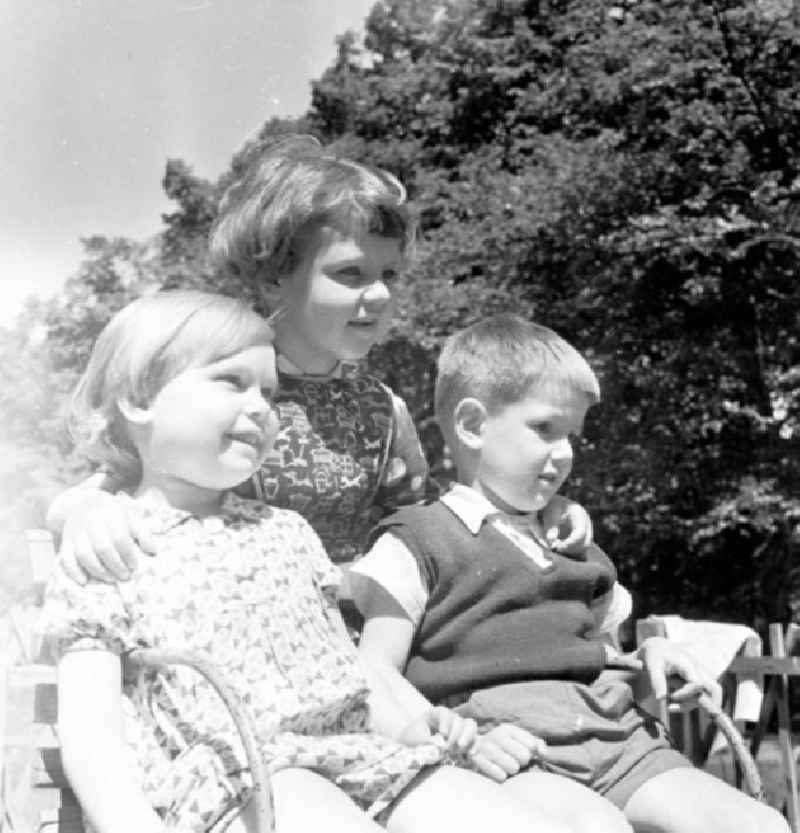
pixel 145 345
pixel 291 187
pixel 501 359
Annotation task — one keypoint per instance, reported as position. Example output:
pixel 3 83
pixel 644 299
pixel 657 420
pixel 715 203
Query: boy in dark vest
pixel 465 597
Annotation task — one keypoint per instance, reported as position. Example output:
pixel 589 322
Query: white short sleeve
pixel 612 609
pixel 389 564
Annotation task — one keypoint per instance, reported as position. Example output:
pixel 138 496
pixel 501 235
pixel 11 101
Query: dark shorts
pixel 596 734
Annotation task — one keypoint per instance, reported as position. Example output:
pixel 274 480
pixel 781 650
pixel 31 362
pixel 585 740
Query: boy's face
pixel 337 300
pixel 526 448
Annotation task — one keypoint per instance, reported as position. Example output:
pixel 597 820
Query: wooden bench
pixel 776 670
pixel 35 796
pixel 43 801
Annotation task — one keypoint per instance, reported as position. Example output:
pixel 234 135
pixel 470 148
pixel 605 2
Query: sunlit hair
pixel 289 189
pixel 501 360
pixel 144 346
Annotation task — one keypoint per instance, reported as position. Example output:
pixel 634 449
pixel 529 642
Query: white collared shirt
pixel 390 564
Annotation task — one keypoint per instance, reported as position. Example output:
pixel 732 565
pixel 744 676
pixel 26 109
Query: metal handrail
pixel 261 795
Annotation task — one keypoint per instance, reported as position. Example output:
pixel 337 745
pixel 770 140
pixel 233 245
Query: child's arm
pixel 386 639
pixel 102 535
pixel 384 647
pixel 663 659
pixel 93 750
pixel 406 476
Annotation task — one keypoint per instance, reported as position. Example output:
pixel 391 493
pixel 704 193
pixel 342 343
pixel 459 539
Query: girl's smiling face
pixel 337 301
pixel 208 428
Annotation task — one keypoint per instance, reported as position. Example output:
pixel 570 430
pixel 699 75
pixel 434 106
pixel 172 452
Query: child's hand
pixel 503 751
pixel 103 538
pixel 663 659
pixel 458 734
pixel 565 516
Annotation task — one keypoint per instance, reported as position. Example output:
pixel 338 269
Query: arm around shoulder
pixel 72 498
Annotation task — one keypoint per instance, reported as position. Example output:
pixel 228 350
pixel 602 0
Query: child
pixel 465 596
pixel 322 238
pixel 178 398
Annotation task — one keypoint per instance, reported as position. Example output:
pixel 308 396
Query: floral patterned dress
pixel 252 589
pixel 336 457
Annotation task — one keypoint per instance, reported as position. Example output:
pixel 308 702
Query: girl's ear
pixel 469 419
pixel 271 295
pixel 135 414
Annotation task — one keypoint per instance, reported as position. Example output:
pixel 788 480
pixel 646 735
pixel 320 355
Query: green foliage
pixel 629 175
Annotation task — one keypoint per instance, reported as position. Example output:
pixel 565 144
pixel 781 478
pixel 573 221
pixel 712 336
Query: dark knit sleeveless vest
pixel 493 615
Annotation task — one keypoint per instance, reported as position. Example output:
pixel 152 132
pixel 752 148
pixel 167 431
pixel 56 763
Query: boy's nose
pixel 562 450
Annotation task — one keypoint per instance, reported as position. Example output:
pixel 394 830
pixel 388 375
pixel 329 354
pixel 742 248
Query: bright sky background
pixel 97 94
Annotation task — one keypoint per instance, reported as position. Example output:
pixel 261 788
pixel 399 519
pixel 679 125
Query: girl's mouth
pixel 251 438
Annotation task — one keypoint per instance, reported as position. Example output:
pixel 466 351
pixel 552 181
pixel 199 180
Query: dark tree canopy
pixel 627 174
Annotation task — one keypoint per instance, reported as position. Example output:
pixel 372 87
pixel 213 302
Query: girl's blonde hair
pixel 291 187
pixel 144 346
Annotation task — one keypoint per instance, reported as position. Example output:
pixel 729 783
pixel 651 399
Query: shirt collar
pixel 472 509
pixel 161 517
pixel 469 506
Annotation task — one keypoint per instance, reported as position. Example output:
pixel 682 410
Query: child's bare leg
pixel 581 809
pixel 688 800
pixel 306 802
pixel 457 799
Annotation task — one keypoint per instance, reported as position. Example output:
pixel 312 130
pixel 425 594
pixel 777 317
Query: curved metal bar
pixel 262 793
pixel 752 777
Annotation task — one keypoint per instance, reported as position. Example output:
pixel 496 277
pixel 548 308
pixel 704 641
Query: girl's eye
pixel 350 275
pixel 232 380
pixel 542 427
pixel 389 275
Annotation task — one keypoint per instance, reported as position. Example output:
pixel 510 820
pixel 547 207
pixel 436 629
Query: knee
pixel 753 818
pixel 553 826
pixel 601 820
pixel 766 819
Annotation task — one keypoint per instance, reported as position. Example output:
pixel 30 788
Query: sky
pixel 96 95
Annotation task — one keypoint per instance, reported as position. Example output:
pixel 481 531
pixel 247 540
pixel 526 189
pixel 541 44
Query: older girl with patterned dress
pixel 178 398
pixel 321 238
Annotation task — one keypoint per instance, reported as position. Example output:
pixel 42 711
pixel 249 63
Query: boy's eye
pixel 389 275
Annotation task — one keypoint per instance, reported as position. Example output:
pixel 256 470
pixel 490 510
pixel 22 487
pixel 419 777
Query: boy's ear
pixel 135 414
pixel 469 419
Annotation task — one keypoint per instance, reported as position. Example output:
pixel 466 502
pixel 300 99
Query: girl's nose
pixel 258 407
pixel 376 295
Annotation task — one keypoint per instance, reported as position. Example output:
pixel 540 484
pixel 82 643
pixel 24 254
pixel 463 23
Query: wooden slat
pixel 778 649
pixel 20 676
pixel 787 666
pixel 43 801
